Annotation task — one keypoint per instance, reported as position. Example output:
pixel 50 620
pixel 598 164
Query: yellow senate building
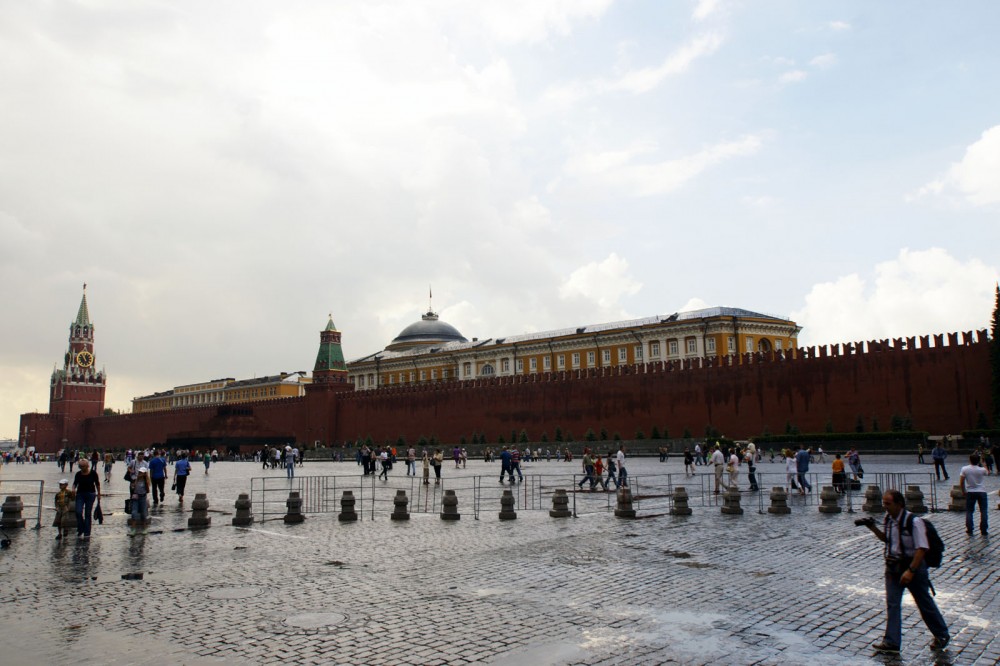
pixel 431 350
pixel 225 391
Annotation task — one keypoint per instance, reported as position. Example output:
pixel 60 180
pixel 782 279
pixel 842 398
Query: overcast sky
pixel 223 175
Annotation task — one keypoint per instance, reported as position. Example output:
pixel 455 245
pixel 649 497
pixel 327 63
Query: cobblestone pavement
pixel 804 588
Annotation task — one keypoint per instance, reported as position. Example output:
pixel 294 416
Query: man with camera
pixel 905 539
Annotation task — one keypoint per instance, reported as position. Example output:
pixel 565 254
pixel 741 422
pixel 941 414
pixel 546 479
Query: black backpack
pixel 935 546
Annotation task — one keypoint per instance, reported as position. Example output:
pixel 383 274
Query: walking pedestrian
pixel 938 454
pixel 182 470
pixel 802 469
pixel 65 502
pixel 437 462
pixel 972 481
pixel 427 468
pixel 718 462
pixel 289 463
pixel 140 486
pixel 688 462
pixel 158 476
pixel 905 539
pixel 88 490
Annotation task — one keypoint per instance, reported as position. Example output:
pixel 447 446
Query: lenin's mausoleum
pixel 726 369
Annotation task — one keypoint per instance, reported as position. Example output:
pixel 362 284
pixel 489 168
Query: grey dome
pixel 428 331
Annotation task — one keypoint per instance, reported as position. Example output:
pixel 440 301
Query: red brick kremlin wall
pixel 941 387
pixel 941 383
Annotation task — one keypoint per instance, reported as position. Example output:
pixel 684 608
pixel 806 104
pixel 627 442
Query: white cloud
pixel 704 8
pixel 619 169
pixel 637 81
pixel 976 178
pixel 693 303
pixel 793 76
pixel 917 293
pixel 759 201
pixel 603 283
pixel 824 61
pixel 839 25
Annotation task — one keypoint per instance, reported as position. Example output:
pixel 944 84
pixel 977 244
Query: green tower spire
pixel 330 366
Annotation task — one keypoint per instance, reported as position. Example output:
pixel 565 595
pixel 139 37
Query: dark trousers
pixel 971 500
pixel 158 489
pixel 181 482
pixel 939 469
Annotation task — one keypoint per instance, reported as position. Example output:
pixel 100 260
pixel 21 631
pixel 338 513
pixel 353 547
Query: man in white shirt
pixel 972 479
pixel 718 462
pixel 622 473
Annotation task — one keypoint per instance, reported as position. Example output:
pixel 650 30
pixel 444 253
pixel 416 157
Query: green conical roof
pixel 83 314
pixel 330 356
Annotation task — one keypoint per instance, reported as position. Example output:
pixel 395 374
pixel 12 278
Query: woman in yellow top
pixel 839 478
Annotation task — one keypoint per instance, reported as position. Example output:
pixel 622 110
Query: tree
pixel 590 435
pixel 995 358
pixel 545 437
pixel 639 434
pixel 559 434
pixel 655 434
pixel 523 437
pixel 604 434
pixel 859 425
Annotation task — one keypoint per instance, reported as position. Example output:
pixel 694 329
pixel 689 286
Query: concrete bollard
pixel 507 506
pixel 400 506
pixel 680 506
pixel 828 500
pixel 243 517
pixel 294 504
pixel 560 504
pixel 347 513
pixel 12 508
pixel 731 503
pixel 873 500
pixel 199 513
pixel 915 500
pixel 449 506
pixel 779 501
pixel 957 499
pixel 624 509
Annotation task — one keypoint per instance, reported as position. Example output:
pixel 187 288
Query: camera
pixel 865 522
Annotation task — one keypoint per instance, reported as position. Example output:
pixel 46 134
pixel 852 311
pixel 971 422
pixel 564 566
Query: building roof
pixel 463 344
pixel 428 331
pixel 83 314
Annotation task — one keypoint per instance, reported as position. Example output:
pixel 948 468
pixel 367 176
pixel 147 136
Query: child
pixel 65 504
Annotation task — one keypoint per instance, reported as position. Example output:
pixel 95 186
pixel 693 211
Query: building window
pixel 467 369
pixel 576 359
pixel 561 361
pixel 654 349
pixel 622 355
pixel 731 345
pixel 361 381
pixel 533 364
pixel 547 363
pixel 371 380
pixel 749 344
pixel 710 345
pixel 672 347
pixel 519 365
pixel 487 369
pixel 606 356
pixel 423 375
pixel 692 345
pixel 434 374
pixel 505 365
pixel 444 374
pixel 638 353
pixel 411 376
pixel 777 345
pixel 591 359
pixel 401 380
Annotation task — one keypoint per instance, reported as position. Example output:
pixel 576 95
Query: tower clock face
pixel 85 359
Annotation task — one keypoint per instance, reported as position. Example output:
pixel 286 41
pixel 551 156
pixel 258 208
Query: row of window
pixel 690 344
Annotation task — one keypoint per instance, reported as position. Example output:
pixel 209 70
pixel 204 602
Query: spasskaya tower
pixel 77 389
